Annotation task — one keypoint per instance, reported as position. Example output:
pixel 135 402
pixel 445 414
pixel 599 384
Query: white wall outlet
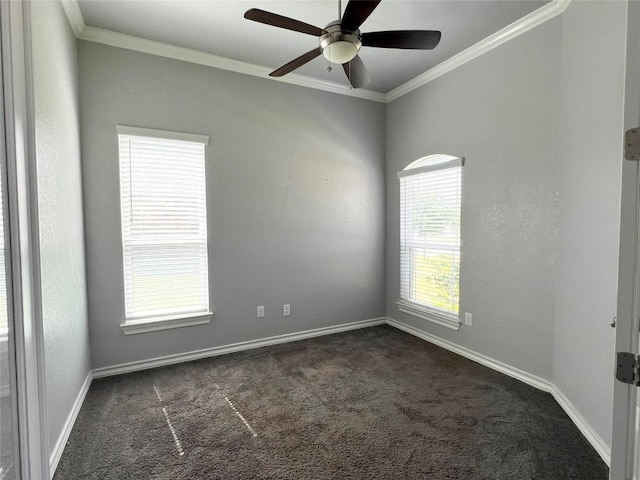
pixel 286 310
pixel 468 319
pixel 260 311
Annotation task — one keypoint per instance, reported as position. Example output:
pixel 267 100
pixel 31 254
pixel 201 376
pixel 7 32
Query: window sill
pixel 165 323
pixel 440 318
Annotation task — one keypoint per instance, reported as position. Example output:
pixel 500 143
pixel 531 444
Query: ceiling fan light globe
pixel 340 52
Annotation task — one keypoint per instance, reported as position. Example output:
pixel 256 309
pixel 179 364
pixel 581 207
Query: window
pixel 430 204
pixel 164 229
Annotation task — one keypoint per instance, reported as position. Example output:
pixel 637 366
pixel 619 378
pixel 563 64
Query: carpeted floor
pixel 369 404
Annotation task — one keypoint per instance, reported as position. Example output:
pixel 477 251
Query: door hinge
pixel 628 368
pixel 632 144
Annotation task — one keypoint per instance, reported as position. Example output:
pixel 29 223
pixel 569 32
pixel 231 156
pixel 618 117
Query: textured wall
pixel 591 115
pixel 295 194
pixel 64 305
pixel 500 112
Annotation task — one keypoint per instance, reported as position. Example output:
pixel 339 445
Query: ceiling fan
pixel 341 40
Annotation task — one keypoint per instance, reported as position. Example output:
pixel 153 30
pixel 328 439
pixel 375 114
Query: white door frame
pixel 22 217
pixel 624 398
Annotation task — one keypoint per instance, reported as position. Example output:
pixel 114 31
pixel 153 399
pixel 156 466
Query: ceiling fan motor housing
pixel 339 46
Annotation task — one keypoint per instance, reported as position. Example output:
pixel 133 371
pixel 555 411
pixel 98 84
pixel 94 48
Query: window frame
pixel 160 322
pixel 421 166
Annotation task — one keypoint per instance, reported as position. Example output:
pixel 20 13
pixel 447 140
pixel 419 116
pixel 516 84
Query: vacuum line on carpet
pixel 246 424
pixel 157 393
pixel 173 432
pixel 176 440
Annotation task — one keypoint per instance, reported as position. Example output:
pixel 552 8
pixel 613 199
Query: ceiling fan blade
pixel 356 13
pixel 298 62
pixel 414 39
pixel 276 20
pixel 356 72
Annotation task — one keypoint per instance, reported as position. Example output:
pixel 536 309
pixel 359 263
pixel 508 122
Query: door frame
pixel 24 293
pixel 628 311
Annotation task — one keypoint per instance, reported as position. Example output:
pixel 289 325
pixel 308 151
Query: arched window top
pixel 431 163
pixel 430 212
pixel 431 160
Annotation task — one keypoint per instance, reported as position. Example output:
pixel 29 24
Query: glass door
pixel 23 432
pixel 9 444
pixel 9 460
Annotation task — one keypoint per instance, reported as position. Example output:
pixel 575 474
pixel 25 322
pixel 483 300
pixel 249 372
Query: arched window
pixel 430 206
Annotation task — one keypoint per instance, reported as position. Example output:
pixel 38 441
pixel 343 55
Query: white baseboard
pixel 585 428
pixel 581 423
pixel 533 380
pixel 234 347
pixel 68 425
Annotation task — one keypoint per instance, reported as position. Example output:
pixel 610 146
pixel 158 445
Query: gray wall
pixel 500 112
pixel 296 198
pixel 591 116
pixel 64 304
pixel 295 195
pixel 539 120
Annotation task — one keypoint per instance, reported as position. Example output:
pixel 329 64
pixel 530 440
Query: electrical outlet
pixel 468 319
pixel 286 310
pixel 260 311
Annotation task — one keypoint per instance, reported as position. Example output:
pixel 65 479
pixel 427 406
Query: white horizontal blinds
pixel 164 227
pixel 430 236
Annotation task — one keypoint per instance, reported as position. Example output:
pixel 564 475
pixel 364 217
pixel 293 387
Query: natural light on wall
pixel 430 208
pixel 164 226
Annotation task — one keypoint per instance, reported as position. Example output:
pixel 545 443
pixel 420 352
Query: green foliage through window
pixel 430 236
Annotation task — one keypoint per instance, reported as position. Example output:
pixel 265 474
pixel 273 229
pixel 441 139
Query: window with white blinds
pixel 430 205
pixel 164 226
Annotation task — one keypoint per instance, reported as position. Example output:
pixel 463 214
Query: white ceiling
pixel 218 27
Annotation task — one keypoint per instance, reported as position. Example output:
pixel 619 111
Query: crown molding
pixel 129 42
pixel 526 23
pixel 74 14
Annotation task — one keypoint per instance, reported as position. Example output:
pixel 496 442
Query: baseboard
pixel 580 422
pixel 234 347
pixel 68 425
pixel 585 428
pixel 533 380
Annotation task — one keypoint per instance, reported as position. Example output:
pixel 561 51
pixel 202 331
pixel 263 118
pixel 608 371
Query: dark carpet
pixel 369 404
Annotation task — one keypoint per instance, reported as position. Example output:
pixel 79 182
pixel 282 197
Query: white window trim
pixel 153 324
pixel 449 163
pixel 431 314
pixel 133 327
pixel 439 317
pixel 165 134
